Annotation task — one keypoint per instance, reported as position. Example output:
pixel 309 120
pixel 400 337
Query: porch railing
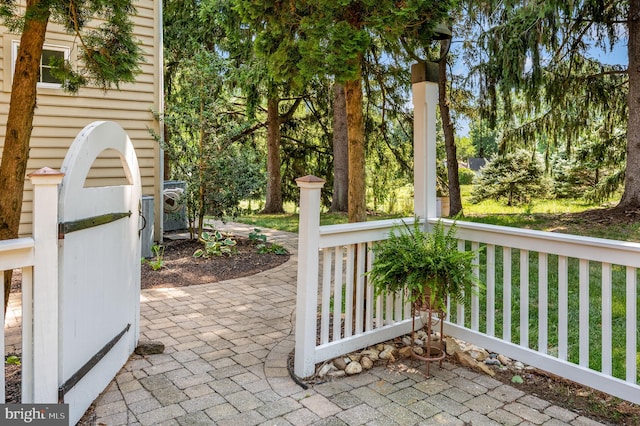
pixel 562 303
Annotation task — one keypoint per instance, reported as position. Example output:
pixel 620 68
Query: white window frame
pixel 66 50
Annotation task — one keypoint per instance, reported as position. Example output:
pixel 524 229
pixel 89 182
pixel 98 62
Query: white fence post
pixel 42 333
pixel 307 291
pixel 425 101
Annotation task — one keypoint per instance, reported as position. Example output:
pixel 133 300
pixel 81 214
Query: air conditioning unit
pixel 174 214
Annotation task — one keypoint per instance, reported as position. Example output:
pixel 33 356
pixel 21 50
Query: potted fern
pixel 426 268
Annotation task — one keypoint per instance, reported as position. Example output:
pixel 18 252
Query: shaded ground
pixel 180 268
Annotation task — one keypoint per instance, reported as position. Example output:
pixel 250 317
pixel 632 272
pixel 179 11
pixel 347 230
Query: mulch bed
pixel 182 269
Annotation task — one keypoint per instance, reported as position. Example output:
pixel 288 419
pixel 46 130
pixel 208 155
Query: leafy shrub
pixel 465 176
pixel 158 252
pixel 516 178
pixel 256 236
pixel 215 244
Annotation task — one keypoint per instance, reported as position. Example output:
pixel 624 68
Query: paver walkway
pixel 225 363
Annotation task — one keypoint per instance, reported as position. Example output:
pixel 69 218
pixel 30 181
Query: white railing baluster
pixel 563 307
pixel 349 286
pixel 389 308
pixel 491 289
pixel 543 302
pixel 606 319
pixel 506 293
pixel 475 296
pixel 460 311
pixel 337 293
pixel 368 326
pixel 631 324
pixel 398 315
pixel 584 313
pixel 361 259
pixel 326 296
pixel 524 298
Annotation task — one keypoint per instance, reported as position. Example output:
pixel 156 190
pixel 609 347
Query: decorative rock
pixel 405 352
pixel 518 365
pixel 390 348
pixel 386 354
pixel 340 363
pixel 492 361
pixel 366 363
pixel 353 368
pixel 452 346
pixel 148 347
pixel 418 342
pixel 421 334
pixel 406 340
pixel 354 357
pixel 477 353
pixel 504 360
pixel 337 373
pixel 380 347
pixel 326 369
pixel 466 360
pixel 418 350
pixel 372 354
pixel 485 369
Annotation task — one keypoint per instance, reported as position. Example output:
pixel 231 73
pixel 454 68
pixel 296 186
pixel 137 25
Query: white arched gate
pixel 99 268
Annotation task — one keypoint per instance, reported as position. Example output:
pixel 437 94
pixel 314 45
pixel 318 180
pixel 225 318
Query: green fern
pixel 423 263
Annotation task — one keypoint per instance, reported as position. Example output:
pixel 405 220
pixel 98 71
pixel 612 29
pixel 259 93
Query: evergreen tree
pixel 516 177
pixel 324 37
pixel 536 71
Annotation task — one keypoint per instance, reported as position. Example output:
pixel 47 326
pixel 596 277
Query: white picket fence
pixel 557 302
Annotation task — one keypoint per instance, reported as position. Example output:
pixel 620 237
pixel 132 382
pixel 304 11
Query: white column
pixel 425 102
pixel 43 335
pixel 307 290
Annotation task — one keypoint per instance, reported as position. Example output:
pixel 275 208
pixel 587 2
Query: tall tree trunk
pixel 449 140
pixel 273 202
pixel 631 195
pixel 15 152
pixel 340 199
pixel 357 205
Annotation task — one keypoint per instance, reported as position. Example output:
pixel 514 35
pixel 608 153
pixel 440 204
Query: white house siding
pixel 60 116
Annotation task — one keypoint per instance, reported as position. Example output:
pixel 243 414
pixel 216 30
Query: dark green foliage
pixel 416 262
pixel 484 140
pixel 540 85
pixel 203 144
pixel 466 176
pixel 256 236
pixel 516 177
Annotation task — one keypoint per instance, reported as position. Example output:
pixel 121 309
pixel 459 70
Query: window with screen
pixel 50 53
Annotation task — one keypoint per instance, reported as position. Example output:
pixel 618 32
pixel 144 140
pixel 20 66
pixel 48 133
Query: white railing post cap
pixel 310 181
pixel 46 175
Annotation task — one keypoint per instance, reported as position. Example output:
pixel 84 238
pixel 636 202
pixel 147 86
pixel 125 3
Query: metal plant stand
pixel 432 319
